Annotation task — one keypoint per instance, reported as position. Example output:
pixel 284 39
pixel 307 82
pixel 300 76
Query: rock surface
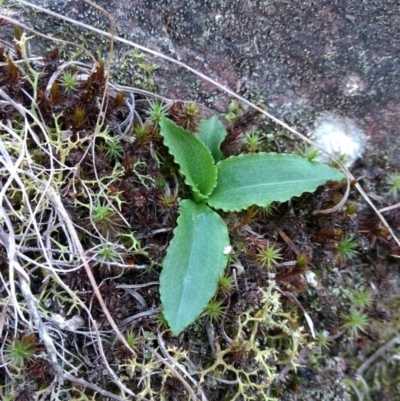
pixel 300 58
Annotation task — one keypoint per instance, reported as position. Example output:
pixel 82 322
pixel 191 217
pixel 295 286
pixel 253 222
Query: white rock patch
pixel 339 136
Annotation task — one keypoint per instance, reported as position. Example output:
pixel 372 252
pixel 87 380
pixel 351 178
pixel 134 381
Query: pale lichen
pixel 340 136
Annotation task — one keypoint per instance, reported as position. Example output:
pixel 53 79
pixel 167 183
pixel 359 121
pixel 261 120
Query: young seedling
pixel 269 256
pixel 69 81
pixel 214 310
pixel 156 111
pixel 226 284
pixel 361 298
pixel 198 253
pixel 254 142
pixel 20 351
pixel 105 219
pixel 346 248
pixel 355 321
pixel 322 339
pixel 393 184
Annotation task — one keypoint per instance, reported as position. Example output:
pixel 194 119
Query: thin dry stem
pixel 15 249
pixel 378 353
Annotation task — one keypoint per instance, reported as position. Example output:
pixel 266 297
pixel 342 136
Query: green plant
pixel 346 248
pixel 301 261
pixel 133 339
pixel 105 218
pixel 351 209
pixel 20 351
pixel 355 321
pixel 79 117
pixel 226 284
pixel 311 153
pixel 267 210
pixel 188 118
pixel 215 310
pixel 69 81
pixel 360 298
pixel 107 252
pixel 393 184
pixel 167 200
pixel 343 158
pixel 269 256
pixel 141 132
pixel 253 142
pixel 108 256
pixel 322 339
pixel 114 149
pixel 111 146
pixel 233 111
pixel 199 250
pixel 156 111
pixel 161 321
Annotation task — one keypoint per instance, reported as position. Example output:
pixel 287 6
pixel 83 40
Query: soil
pixel 299 59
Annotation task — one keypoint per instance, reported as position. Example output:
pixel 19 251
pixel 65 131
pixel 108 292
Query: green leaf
pixel 212 132
pixel 194 263
pixel 193 157
pixel 259 179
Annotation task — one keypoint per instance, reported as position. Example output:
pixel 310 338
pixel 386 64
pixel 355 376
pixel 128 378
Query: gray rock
pixel 300 58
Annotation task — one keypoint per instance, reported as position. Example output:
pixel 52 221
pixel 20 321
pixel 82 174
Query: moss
pixel 265 331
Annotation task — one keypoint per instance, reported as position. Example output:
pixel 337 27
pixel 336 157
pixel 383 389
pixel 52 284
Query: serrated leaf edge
pixel 186 179
pixel 243 155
